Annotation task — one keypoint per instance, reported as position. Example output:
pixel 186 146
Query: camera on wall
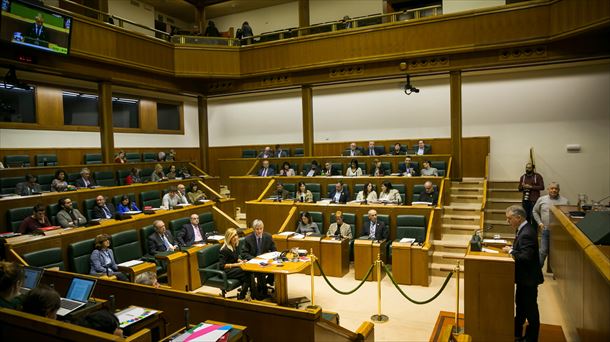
pixel 409 88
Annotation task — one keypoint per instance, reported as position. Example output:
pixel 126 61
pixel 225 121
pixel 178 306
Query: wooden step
pixel 503 193
pixel 447 257
pixel 466 191
pixel 464 228
pixel 503 185
pixel 466 198
pixel 461 219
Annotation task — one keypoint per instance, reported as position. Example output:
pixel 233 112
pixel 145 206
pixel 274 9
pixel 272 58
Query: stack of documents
pixel 204 332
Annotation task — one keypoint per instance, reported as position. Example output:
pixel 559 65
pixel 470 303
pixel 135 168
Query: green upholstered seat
pixel 45 258
pixel 150 198
pixel 248 153
pixel 145 232
pixel 104 178
pixel 337 168
pixel 439 164
pixel 8 184
pixel 116 199
pixel 176 225
pixel 50 159
pixel 298 152
pixel 126 246
pixel 149 157
pixel 16 215
pixel 89 204
pixel 45 181
pixel 93 158
pixel 210 273
pixel 409 226
pixel 72 177
pixel 146 173
pixel 206 222
pixel 384 218
pixel 133 157
pixel 79 255
pixel 315 190
pixel 121 175
pixel 17 160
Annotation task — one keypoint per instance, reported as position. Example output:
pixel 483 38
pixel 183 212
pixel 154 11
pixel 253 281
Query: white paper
pixel 297 236
pixel 216 237
pixel 324 201
pixel 270 255
pixel 256 261
pixel 407 240
pixel 286 233
pixel 133 314
pixel 132 212
pixel 487 250
pixel 130 263
pixel 421 203
pixel 183 204
pixel 495 241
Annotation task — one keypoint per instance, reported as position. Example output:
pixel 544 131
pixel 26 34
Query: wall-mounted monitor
pixel 34 26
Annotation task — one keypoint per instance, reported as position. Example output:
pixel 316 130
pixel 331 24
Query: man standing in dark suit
pixel 255 245
pixel 528 274
pixel 340 194
pixel 102 210
pixel 161 240
pixel 375 230
pixel 191 233
pixel 37 30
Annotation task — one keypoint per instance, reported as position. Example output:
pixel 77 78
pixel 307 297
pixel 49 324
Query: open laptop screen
pixel 80 289
pixel 31 277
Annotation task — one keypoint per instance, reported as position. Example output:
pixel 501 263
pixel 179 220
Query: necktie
pixel 166 242
pixel 264 172
pixel 371 152
pixel 106 211
pixel 372 233
pixel 86 183
pixel 258 246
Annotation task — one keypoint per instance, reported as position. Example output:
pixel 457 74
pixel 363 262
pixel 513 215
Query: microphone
pixel 338 233
pixel 186 319
pixel 112 303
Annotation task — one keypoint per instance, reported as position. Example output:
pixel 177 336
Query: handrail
pixel 207 187
pixel 18 257
pixel 254 165
pixel 288 219
pixel 427 242
pixel 226 216
pixel 267 188
pixel 448 171
pixel 199 170
pixel 441 191
pixel 484 202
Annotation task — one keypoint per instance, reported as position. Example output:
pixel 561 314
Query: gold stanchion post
pixel 456 327
pixel 312 259
pixel 379 317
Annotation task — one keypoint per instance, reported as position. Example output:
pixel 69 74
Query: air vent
pixel 347 71
pixel 220 86
pixel 528 52
pixel 429 62
pixel 275 79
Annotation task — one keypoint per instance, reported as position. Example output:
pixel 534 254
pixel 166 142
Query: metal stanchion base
pixel 457 330
pixel 380 318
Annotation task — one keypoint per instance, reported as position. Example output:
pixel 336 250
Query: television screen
pixel 34 26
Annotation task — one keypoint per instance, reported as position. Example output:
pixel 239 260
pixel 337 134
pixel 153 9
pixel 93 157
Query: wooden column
pixel 204 141
pixel 307 97
pixel 303 13
pixel 455 84
pixel 200 15
pixel 104 93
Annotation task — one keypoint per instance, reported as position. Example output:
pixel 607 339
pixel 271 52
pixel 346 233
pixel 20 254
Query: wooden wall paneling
pixel 49 107
pixel 148 115
pixel 206 61
pixel 596 301
pixel 474 151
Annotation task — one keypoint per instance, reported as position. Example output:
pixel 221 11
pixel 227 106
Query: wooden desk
pixel 410 264
pixel 177 269
pixel 307 243
pixel 334 256
pixel 365 254
pixel 155 323
pixel 194 279
pixel 281 276
pixel 489 296
pixel 133 271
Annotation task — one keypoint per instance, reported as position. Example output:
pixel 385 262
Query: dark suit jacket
pixel 381 233
pixel 98 212
pixel 270 172
pixel 22 189
pixel 280 154
pixel 426 197
pixel 285 194
pixel 414 168
pixel 42 35
pixel 357 152
pixel 155 244
pixel 186 235
pixel 249 251
pixel 344 195
pixel 525 252
pixel 80 182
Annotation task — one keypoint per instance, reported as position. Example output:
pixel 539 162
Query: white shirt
pixel 420 151
pixel 198 236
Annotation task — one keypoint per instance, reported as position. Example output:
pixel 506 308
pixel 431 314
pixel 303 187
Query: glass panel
pixel 16 104
pixel 125 112
pixel 80 109
pixel 168 116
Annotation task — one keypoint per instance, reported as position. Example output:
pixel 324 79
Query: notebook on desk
pixel 31 278
pixel 78 295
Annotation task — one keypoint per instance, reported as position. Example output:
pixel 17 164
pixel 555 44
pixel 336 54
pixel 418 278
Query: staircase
pixel 500 195
pixel 460 220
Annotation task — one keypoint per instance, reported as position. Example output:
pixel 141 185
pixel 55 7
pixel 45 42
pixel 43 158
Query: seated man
pixel 339 228
pixel 421 148
pixel 161 240
pixel 353 150
pixel 69 217
pixel 85 180
pixel 266 170
pixel 427 170
pixel 371 150
pixel 29 187
pixel 340 194
pixel 38 219
pixel 255 245
pixel 171 198
pixel 182 193
pixel 314 169
pixel 267 153
pixel 378 169
pixel 429 194
pixel 328 170
pixel 102 210
pixel 191 233
pixel 279 152
pixel 375 230
pixel 408 169
pixel 281 193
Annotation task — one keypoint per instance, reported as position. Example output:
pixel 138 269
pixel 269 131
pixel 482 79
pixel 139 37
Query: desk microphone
pixel 186 319
pixel 112 303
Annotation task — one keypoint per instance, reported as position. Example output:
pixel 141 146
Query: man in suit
pixel 281 193
pixel 352 151
pixel 339 228
pixel 528 274
pixel 408 169
pixel 102 210
pixel 375 230
pixel 328 170
pixel 267 153
pixel 421 148
pixel 85 180
pixel 266 170
pixel 255 245
pixel 182 194
pixel 37 30
pixel 279 152
pixel 371 150
pixel 191 233
pixel 161 240
pixel 429 194
pixel 340 194
pixel 69 217
pixel 29 187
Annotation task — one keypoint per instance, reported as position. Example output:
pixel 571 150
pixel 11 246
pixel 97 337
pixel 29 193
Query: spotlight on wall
pixel 11 80
pixel 409 89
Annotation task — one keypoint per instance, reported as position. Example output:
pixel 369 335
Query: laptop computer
pixel 78 295
pixel 31 278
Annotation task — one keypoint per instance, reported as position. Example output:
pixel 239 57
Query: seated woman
pixel 120 158
pixel 102 320
pixel 353 169
pixel 378 169
pixel 303 195
pixel 397 150
pixel 287 170
pixel 229 261
pixel 126 205
pixel 102 259
pixel 59 183
pixel 172 173
pixel 195 194
pixel 11 277
pixel 42 301
pixel 367 194
pixel 306 225
pixel 388 194
pixel 133 177
pixel 38 219
pixel 158 175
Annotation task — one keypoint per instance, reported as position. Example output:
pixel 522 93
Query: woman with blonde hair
pixel 158 175
pixel 230 262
